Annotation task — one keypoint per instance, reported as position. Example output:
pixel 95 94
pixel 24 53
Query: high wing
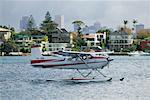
pixel 68 60
pixel 75 53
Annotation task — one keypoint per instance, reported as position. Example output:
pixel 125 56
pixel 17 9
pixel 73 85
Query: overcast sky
pixel 109 13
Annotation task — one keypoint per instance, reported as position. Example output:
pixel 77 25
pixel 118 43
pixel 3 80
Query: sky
pixel 110 13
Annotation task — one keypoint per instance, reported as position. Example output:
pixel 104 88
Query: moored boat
pixel 138 53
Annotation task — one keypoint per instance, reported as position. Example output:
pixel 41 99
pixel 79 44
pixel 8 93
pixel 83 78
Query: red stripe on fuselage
pixel 99 57
pixel 40 61
pixel 55 60
pixel 58 65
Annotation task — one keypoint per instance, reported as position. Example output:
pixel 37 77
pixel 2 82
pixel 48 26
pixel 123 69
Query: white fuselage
pixel 71 63
pixel 74 60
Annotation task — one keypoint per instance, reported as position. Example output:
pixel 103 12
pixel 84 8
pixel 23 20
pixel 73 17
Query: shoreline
pixel 113 54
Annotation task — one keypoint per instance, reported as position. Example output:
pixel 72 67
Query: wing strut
pixel 92 69
pixel 83 74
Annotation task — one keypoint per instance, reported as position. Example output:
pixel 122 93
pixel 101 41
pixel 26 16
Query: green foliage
pixel 45 38
pixel 78 22
pixel 43 48
pixel 75 49
pixel 9 46
pixel 31 23
pixel 79 42
pixel 48 25
pixel 24 50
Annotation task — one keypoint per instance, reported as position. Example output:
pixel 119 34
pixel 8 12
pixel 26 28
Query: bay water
pixel 20 81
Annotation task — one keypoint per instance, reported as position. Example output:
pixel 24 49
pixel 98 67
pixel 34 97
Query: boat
pixel 138 53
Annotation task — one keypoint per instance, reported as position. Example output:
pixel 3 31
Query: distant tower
pixel 24 23
pixel 139 27
pixel 97 25
pixel 59 19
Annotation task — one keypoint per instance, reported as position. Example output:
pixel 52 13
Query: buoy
pixel 122 79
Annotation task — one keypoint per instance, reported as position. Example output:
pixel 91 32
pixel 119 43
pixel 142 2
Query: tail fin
pixel 36 51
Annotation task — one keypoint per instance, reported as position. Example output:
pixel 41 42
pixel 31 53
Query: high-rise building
pixel 24 22
pixel 59 19
pixel 91 29
pixel 139 27
pixel 97 25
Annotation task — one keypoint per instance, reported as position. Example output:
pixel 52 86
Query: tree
pixel 79 25
pixel 31 23
pixel 79 42
pixel 45 38
pixel 144 33
pixel 9 46
pixel 48 25
pixel 78 22
pixel 125 23
pixel 12 29
pixel 134 22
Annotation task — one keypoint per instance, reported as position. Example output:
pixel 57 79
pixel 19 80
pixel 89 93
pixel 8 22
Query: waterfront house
pixel 55 46
pixel 94 39
pixel 59 36
pixel 145 45
pixel 58 40
pixel 39 38
pixel 24 41
pixel 120 40
pixel 5 34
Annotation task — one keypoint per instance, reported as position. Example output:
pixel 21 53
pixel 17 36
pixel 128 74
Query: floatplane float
pixel 78 61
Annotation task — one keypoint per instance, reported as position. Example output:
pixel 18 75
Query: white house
pixel 55 46
pixel 94 39
pixel 5 33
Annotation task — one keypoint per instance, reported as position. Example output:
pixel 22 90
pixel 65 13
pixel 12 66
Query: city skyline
pixel 110 13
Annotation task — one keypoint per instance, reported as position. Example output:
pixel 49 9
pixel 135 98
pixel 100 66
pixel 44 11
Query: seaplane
pixel 92 61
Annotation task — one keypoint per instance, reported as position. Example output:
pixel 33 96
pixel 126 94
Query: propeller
pixel 108 62
pixel 109 59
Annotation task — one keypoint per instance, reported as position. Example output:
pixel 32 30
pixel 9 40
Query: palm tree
pixel 79 25
pixel 134 22
pixel 125 23
pixel 78 22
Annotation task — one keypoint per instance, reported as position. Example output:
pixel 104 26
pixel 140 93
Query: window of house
pixel 101 36
pixel 50 49
pixel 90 39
